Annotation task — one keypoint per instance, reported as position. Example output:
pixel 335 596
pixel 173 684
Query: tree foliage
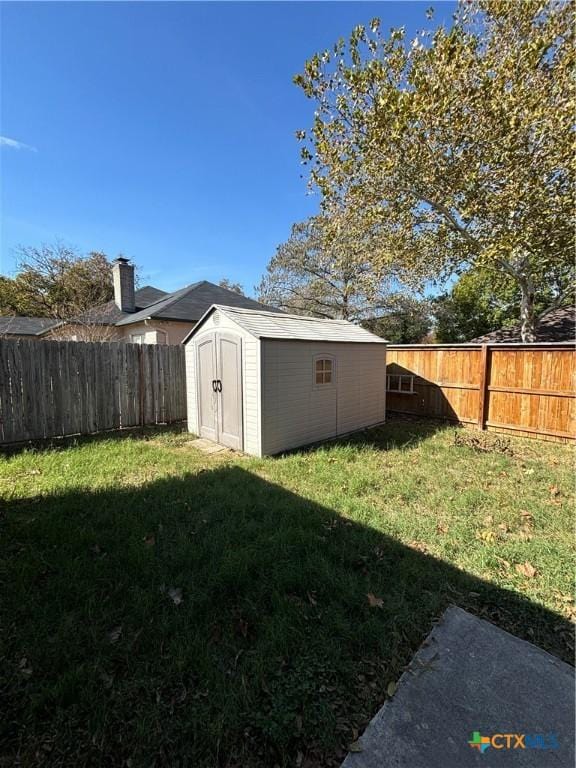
pixel 404 320
pixel 455 150
pixel 323 271
pixel 231 286
pixel 476 304
pixel 56 281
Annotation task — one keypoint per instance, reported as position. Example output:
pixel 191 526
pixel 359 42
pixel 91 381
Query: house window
pixel 323 370
pixel 137 338
pixel 399 382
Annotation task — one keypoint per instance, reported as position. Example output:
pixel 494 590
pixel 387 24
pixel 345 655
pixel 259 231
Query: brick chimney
pixel 123 275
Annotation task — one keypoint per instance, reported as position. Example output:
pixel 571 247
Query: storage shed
pixel 265 382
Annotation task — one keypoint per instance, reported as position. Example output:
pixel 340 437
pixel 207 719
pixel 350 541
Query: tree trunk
pixel 527 316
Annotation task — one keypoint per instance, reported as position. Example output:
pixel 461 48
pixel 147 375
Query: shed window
pixel 323 371
pixel 396 382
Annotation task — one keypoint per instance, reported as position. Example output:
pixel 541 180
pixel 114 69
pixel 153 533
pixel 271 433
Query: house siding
pixel 295 411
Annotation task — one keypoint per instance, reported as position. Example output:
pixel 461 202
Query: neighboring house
pixel 556 325
pixel 144 316
pixel 27 327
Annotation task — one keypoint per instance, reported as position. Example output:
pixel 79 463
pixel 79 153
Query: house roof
pixel 27 326
pixel 191 303
pixel 109 314
pixel 556 325
pixel 277 325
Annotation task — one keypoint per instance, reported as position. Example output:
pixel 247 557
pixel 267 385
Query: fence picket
pixel 56 388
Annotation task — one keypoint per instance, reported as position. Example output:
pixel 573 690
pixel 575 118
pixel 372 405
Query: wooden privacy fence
pixel 57 388
pixel 524 389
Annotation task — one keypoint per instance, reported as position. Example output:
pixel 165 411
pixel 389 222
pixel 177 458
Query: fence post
pixel 484 366
pixel 141 383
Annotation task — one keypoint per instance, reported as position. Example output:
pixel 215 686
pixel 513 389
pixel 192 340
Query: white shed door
pixel 207 398
pixel 220 389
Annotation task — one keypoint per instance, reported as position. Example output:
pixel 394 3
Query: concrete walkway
pixel 469 681
pixel 208 446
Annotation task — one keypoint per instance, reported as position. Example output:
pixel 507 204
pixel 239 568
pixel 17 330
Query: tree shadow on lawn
pixel 274 649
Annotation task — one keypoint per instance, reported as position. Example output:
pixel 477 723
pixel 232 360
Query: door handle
pixel 219 385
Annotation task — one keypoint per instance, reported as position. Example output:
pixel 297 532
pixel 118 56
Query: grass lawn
pixel 161 607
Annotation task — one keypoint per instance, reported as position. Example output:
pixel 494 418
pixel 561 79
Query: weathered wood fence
pixel 523 389
pixel 58 388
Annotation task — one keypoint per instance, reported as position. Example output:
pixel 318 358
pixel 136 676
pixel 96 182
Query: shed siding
pixel 250 379
pixel 296 412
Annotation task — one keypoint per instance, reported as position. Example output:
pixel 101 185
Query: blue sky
pixel 164 131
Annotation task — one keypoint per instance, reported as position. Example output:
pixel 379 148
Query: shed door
pixel 229 390
pixel 207 398
pixel 220 389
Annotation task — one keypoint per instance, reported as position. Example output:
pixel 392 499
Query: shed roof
pixel 278 325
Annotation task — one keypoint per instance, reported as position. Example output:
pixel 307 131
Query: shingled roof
pixel 109 314
pixel 265 324
pixel 556 325
pixel 27 326
pixel 190 303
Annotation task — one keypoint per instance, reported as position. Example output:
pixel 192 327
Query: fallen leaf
pixel 355 747
pixel 526 569
pixel 243 627
pixel 374 602
pixel 312 598
pixel 554 490
pixel 114 634
pixel 175 594
pixel 441 528
pixel 107 679
pixel 25 668
pixel 391 689
pixel 150 540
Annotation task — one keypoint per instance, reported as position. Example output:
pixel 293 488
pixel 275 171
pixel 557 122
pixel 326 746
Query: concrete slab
pixel 467 681
pixel 207 446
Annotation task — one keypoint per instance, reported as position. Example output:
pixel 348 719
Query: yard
pixel 164 607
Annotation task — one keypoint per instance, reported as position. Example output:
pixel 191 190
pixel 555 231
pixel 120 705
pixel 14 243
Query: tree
pixel 457 150
pixel 475 305
pixel 323 272
pixel 56 281
pixel 481 301
pixel 231 286
pixel 405 320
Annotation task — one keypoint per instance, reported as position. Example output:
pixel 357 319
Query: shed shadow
pixel 214 619
pixel 417 396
